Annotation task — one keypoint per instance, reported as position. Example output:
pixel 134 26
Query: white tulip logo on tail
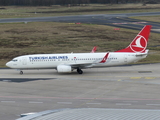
pixel 139 44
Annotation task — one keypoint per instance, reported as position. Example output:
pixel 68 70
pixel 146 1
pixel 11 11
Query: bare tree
pixel 66 2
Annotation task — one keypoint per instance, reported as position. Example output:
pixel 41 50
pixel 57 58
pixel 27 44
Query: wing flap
pixel 81 65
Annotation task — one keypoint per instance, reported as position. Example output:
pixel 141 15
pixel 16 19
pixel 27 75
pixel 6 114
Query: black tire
pixel 21 73
pixel 79 71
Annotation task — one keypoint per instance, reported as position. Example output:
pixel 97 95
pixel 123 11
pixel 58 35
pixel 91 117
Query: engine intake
pixel 64 69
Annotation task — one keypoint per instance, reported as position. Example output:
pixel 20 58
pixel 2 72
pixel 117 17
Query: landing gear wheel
pixel 79 71
pixel 21 73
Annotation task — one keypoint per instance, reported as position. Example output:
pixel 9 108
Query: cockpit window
pixel 14 60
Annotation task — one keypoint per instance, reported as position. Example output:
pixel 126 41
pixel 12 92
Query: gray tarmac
pixel 123 87
pixel 122 20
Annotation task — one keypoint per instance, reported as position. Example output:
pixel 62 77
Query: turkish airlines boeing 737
pixel 66 63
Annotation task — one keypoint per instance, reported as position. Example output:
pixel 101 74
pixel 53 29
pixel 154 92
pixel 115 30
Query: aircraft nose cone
pixel 8 64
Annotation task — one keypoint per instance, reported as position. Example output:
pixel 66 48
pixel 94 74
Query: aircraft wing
pixel 82 65
pixel 88 65
pixel 94 49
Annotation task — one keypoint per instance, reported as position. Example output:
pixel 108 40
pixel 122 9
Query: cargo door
pixel 125 58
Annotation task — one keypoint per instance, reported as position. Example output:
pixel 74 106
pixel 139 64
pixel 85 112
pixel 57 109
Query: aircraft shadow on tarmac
pixel 19 80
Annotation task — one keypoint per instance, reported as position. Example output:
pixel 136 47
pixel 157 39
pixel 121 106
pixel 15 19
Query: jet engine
pixel 64 69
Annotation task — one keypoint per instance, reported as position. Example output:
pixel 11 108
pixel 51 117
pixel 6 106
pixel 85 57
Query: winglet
pixel 105 58
pixel 94 49
pixel 139 44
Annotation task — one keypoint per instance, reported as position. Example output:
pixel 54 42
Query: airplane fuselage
pixel 66 63
pixel 51 61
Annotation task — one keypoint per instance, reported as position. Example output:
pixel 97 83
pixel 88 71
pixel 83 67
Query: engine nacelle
pixel 64 69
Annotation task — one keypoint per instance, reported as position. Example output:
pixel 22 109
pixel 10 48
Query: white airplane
pixel 67 62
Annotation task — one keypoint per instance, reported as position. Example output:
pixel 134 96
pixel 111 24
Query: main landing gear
pixel 79 71
pixel 21 72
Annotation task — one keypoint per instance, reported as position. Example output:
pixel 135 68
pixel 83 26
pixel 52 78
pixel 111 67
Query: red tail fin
pixel 139 43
